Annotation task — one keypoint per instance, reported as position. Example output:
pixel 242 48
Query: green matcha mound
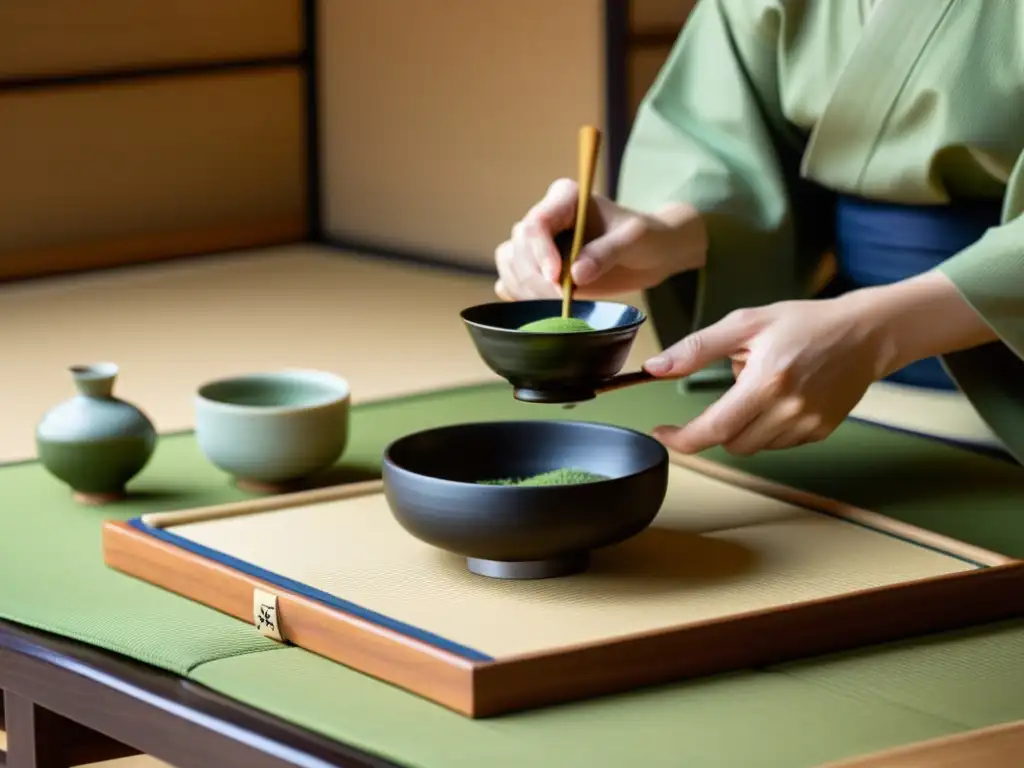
pixel 558 325
pixel 554 477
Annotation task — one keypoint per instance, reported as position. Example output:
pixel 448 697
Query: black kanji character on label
pixel 264 619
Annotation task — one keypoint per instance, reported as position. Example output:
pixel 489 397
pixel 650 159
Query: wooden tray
pixel 734 572
pixel 997 746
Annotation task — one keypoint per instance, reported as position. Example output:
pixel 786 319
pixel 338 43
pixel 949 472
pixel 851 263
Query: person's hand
pixel 800 367
pixel 625 250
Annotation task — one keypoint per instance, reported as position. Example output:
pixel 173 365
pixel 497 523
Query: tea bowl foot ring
pixel 566 565
pixel 97 499
pixel 269 489
pixel 553 396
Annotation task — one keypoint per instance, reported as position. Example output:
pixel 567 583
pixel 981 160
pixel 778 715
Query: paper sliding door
pixel 443 120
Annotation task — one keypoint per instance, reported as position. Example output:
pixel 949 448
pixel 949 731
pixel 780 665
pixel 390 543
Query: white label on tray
pixel 264 615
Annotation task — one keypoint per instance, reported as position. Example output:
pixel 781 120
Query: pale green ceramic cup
pixel 273 429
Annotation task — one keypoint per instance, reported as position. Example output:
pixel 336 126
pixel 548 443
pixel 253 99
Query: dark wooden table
pixel 67 704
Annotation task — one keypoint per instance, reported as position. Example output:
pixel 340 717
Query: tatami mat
pixel 391 328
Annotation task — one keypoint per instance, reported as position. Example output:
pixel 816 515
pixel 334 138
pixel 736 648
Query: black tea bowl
pixel 432 482
pixel 554 367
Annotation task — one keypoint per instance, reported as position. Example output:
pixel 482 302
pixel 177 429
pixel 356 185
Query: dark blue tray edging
pixel 313 594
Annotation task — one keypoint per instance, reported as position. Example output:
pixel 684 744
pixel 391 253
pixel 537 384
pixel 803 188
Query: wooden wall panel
pixel 443 121
pixel 60 37
pixel 113 173
pixel 644 65
pixel 658 15
pixel 654 26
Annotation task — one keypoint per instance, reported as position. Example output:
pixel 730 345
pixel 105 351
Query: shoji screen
pixel 132 130
pixel 443 120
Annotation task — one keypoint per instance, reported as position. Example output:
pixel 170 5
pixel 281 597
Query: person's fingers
pixel 790 438
pixel 501 291
pixel 777 421
pixel 600 255
pixel 701 348
pixel 535 255
pixel 518 276
pixel 739 362
pixel 723 420
pixel 503 257
pixel 808 429
pixel 529 264
pixel 557 209
pixel 525 279
pixel 534 235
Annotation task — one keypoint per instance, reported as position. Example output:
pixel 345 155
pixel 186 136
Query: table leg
pixel 99 703
pixel 39 738
pixel 33 735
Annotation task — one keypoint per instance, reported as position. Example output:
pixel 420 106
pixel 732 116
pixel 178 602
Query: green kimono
pixel 766 107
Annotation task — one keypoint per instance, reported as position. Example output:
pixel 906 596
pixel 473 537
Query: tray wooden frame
pixel 995 746
pixel 478 689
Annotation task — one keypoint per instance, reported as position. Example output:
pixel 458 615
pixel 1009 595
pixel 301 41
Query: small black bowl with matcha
pixel 548 358
pixel 525 499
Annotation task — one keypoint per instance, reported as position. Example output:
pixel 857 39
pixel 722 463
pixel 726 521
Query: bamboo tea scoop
pixel 589 146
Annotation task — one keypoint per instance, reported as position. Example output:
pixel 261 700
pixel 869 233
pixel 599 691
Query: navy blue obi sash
pixel 881 243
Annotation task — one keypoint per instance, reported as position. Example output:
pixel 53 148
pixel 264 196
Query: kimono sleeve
pixel 990 276
pixel 710 132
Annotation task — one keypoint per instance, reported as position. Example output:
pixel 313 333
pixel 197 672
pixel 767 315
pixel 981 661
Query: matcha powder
pixel 558 325
pixel 555 477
